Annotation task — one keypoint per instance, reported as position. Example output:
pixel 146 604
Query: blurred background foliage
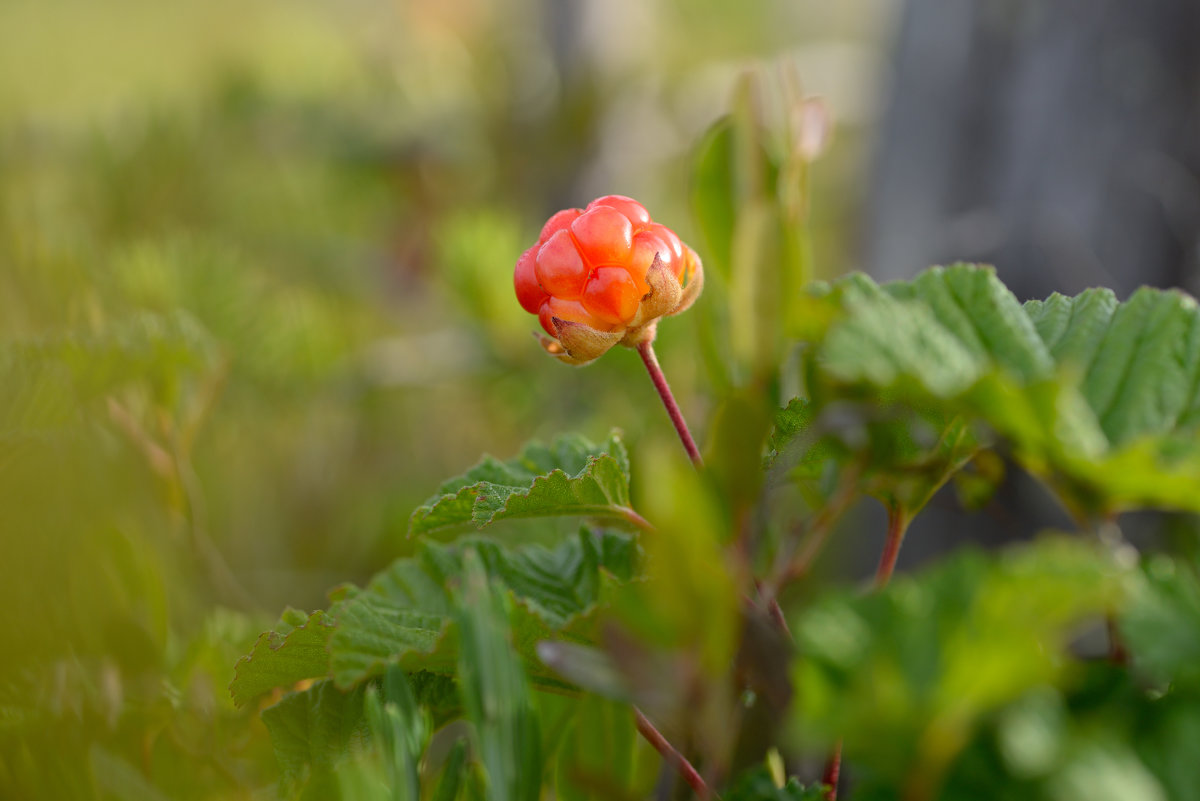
pixel 255 303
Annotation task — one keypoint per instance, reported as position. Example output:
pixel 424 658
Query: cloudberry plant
pixel 604 275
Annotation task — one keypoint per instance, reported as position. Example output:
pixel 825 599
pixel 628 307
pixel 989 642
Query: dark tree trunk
pixel 1057 139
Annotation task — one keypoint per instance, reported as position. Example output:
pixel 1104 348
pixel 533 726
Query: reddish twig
pixel 832 771
pixel 646 351
pixel 672 756
pixel 897 525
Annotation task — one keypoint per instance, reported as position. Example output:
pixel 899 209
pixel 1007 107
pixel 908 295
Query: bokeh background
pixel 255 282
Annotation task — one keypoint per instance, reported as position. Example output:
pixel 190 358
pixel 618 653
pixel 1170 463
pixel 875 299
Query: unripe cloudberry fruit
pixel 604 275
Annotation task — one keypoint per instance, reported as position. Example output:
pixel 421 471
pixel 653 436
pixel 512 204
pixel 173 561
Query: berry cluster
pixel 603 275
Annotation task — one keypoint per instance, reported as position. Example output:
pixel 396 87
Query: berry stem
pixel 652 735
pixel 673 757
pixel 646 351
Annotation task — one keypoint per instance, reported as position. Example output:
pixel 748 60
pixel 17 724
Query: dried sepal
pixel 581 343
pixel 691 290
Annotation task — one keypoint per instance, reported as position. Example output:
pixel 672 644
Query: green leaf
pixel 758 785
pixel 404 616
pixel 595 759
pixel 402 732
pixel 1098 399
pixel 569 478
pixel 907 674
pixel 452 774
pixel 1161 624
pixel 494 689
pixel 1106 738
pixel 313 731
pixel 713 195
pixel 297 649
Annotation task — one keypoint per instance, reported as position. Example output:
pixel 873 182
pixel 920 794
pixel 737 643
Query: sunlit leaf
pixel 1097 398
pixel 569 478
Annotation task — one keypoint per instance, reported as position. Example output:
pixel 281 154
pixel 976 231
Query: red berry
pixel 604 236
pixel 569 310
pixel 590 267
pixel 557 222
pixel 646 245
pixel 559 268
pixel 635 212
pixel 612 295
pixel 669 239
pixel 530 294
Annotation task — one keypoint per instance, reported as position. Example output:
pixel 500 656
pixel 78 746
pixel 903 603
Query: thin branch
pixel 672 756
pixel 897 526
pixel 646 351
pixel 832 772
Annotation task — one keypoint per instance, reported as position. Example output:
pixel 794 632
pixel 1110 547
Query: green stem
pixel 636 520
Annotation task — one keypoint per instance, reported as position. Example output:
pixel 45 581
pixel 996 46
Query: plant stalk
pixel 897 526
pixel 646 351
pixel 672 756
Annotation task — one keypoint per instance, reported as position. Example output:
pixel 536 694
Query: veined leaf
pixel 294 651
pixel 569 478
pixel 1100 399
pixel 405 614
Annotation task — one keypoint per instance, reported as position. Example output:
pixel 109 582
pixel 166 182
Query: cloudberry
pixel 604 275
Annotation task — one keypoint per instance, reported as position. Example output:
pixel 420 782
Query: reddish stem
pixel 646 351
pixel 897 525
pixel 673 757
pixel 833 770
pixel 644 726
